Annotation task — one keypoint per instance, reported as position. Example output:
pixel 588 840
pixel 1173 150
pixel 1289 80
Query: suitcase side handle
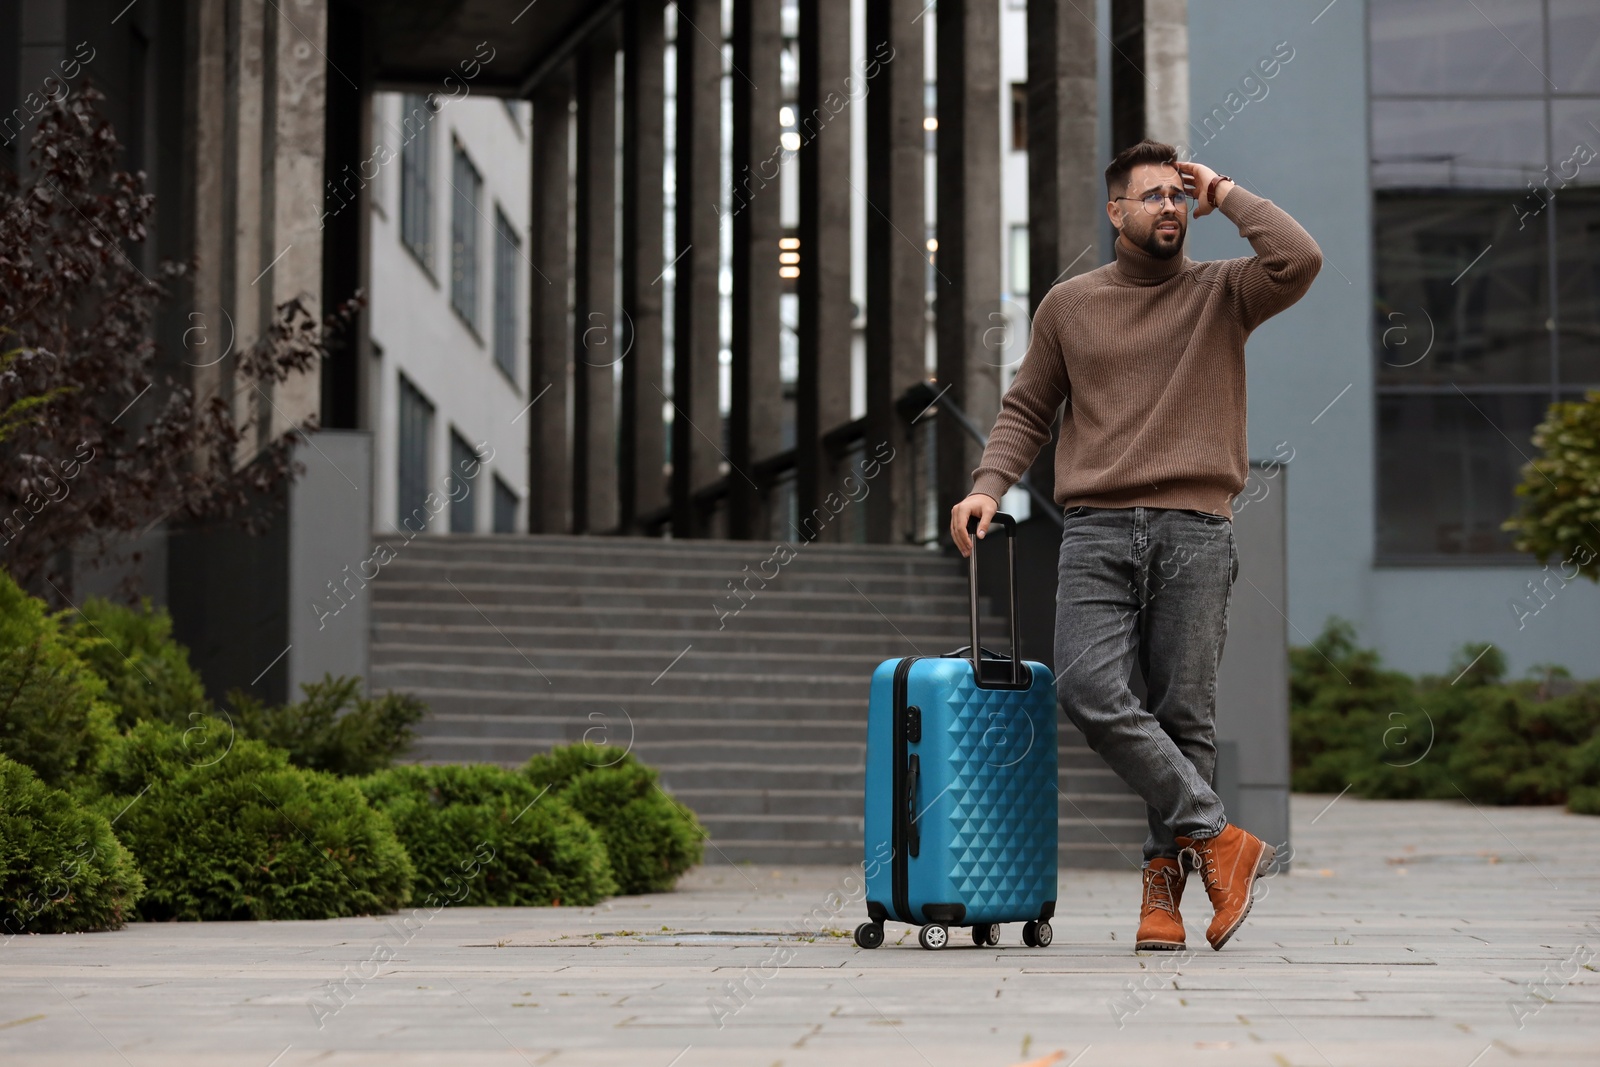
pixel 913 833
pixel 1013 678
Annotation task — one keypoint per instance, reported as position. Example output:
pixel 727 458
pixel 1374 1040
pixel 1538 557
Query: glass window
pixel 467 192
pixel 1486 231
pixel 416 176
pixel 1019 261
pixel 1574 138
pixel 1459 293
pixel 1456 47
pixel 1575 45
pixel 1448 465
pixel 416 440
pixel 505 508
pixel 1457 144
pixel 464 470
pixel 507 250
pixel 1578 286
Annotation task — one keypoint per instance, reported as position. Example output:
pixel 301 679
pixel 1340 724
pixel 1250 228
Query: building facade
pixel 448 322
pixel 1435 150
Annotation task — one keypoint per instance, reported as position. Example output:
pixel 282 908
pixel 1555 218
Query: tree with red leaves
pixel 100 439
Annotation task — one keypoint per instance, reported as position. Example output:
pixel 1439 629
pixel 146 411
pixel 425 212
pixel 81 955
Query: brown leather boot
pixel 1160 925
pixel 1229 865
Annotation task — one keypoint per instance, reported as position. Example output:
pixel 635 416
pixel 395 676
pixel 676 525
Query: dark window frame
pixel 413 454
pixel 416 179
pixel 507 323
pixel 466 246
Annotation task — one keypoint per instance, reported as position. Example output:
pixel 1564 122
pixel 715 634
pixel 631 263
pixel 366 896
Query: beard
pixel 1160 249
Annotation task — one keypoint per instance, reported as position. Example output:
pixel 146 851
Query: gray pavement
pixel 1404 932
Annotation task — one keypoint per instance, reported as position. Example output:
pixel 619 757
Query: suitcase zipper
pixel 902 820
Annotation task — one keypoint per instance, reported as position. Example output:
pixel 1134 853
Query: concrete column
pixel 294 47
pixel 597 340
pixel 1066 192
pixel 640 459
pixel 826 103
pixel 697 424
pixel 896 251
pixel 970 325
pixel 756 412
pixel 208 160
pixel 549 443
pixel 1166 67
pixel 242 192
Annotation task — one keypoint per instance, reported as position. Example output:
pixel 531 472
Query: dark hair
pixel 1146 151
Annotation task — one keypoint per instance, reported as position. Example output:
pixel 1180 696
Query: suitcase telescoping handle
pixel 1014 673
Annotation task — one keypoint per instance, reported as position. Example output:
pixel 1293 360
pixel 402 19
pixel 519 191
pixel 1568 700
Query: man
pixel 1148 353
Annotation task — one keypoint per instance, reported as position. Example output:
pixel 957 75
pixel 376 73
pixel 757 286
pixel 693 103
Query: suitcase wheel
pixel 933 936
pixel 986 935
pixel 869 935
pixel 1037 934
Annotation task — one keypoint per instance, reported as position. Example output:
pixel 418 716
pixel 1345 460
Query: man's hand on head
pixel 1197 179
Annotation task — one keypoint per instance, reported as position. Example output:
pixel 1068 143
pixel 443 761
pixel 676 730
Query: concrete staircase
pixel 756 720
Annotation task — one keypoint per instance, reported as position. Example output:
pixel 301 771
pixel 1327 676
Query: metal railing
pixel 774 477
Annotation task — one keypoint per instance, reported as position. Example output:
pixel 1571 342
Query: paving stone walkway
pixel 1404 933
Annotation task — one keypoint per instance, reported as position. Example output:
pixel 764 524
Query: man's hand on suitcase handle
pixel 980 506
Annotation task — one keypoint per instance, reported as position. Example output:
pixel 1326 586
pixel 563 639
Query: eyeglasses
pixel 1153 202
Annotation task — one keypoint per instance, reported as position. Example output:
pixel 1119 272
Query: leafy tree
pixel 1560 519
pixel 101 435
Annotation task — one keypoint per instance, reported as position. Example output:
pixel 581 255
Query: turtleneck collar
pixel 1136 265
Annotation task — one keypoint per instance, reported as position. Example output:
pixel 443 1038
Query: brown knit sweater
pixel 1150 354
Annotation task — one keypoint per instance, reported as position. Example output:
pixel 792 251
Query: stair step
pixel 622 684
pixel 748 578
pixel 751 707
pixel 448 639
pixel 929 634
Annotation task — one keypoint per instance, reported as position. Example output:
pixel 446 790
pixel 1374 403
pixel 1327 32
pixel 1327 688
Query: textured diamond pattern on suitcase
pixel 1002 825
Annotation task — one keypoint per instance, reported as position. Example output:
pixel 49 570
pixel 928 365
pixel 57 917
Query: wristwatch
pixel 1211 188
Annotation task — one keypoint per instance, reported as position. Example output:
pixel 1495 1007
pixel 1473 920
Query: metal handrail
pixel 922 396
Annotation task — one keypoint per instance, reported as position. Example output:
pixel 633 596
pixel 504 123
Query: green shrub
pixel 1467 733
pixel 53 717
pixel 147 673
pixel 1521 750
pixel 1343 710
pixel 1583 764
pixel 224 828
pixel 334 728
pixel 651 838
pixel 62 870
pixel 483 835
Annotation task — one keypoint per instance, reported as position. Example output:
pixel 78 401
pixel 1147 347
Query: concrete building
pixel 1450 311
pixel 447 383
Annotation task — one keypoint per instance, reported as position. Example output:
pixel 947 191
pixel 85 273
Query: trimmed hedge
pixel 1467 733
pixel 53 716
pixel 651 838
pixel 147 673
pixel 334 728
pixel 62 870
pixel 483 835
pixel 224 828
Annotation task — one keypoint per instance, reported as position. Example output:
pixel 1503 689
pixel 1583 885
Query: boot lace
pixel 1158 889
pixel 1203 858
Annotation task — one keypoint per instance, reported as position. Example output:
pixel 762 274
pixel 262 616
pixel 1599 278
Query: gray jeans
pixel 1152 583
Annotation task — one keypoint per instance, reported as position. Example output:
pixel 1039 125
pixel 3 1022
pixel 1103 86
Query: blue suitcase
pixel 960 821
